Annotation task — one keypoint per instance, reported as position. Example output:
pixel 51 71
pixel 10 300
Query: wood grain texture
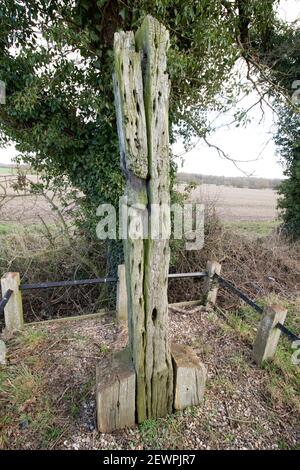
pixel 115 392
pixel 268 335
pixel 190 377
pixel 211 285
pixel 13 311
pixel 142 94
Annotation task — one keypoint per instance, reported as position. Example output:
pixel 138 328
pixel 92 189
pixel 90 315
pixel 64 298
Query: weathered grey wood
pixel 190 377
pixel 268 335
pixel 141 93
pixel 129 101
pixel 122 312
pixel 152 40
pixel 13 311
pixel 210 287
pixel 115 392
pixel 136 191
pixel 2 353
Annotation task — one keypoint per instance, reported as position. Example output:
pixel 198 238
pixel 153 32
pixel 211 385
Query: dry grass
pixel 47 392
pixel 260 266
pixel 18 204
pixel 51 255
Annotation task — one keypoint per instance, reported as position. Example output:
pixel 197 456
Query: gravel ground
pixel 237 412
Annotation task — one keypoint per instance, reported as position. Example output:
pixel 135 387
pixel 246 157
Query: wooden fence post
pixel 2 353
pixel 210 284
pixel 268 335
pixel 122 312
pixel 13 311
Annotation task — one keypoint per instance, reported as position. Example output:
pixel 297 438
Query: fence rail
pixel 106 280
pixel 292 337
pixel 182 275
pixel 228 285
pixel 98 280
pixel 79 282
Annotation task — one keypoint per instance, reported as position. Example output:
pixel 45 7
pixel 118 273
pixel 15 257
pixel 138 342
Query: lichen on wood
pixel 115 392
pixel 141 94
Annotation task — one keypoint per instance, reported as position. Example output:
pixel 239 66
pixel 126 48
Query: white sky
pixel 251 143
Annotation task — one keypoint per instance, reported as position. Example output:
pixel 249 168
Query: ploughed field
pixel 234 204
pixel 231 203
pixel 18 205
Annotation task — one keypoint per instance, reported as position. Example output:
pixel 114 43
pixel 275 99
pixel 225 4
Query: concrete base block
pixel 115 393
pixel 190 377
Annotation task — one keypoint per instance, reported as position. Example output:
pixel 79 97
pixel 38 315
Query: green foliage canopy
pixel 283 60
pixel 56 60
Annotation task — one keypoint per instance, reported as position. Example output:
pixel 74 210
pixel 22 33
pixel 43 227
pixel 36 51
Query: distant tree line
pixel 235 181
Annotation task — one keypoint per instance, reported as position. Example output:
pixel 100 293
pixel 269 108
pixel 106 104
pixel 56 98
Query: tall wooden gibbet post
pixel 141 88
pixel 138 384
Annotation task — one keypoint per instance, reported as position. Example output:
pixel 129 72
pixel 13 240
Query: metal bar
pixel 182 275
pixel 243 296
pixel 80 282
pixel 291 336
pixel 49 285
pixel 5 299
pixel 287 332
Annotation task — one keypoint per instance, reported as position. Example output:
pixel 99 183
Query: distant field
pixel 19 207
pixel 7 171
pixel 232 204
pixel 237 204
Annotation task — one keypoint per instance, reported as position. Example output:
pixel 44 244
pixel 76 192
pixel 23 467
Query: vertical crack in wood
pixel 142 90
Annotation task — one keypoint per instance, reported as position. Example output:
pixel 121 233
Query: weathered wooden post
pixel 211 285
pixel 268 335
pixel 13 311
pixel 141 88
pixel 122 311
pixel 142 92
pixel 2 353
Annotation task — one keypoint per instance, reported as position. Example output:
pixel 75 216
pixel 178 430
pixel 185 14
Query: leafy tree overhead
pixel 288 134
pixel 283 61
pixel 288 142
pixel 56 60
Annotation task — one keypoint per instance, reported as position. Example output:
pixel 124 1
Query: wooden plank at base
pixel 115 392
pixel 190 377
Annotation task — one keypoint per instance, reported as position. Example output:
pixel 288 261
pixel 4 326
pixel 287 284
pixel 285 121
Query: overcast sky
pixel 251 143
